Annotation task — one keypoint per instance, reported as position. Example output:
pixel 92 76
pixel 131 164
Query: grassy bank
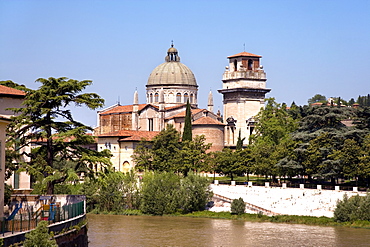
pixel 291 219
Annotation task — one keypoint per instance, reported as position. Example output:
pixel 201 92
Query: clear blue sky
pixel 308 47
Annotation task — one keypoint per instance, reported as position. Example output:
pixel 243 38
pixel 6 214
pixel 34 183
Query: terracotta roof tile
pixel 244 54
pixel 207 121
pixel 131 135
pixel 11 91
pixel 122 108
pixel 183 113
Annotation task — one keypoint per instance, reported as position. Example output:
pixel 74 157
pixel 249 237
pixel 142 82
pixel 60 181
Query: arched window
pixel 250 64
pixel 235 65
pixel 171 99
pixel 186 97
pixel 178 98
pixel 191 98
pixel 125 167
pixel 151 98
pixel 156 97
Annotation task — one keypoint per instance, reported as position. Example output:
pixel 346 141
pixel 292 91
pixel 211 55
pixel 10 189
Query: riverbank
pixel 290 219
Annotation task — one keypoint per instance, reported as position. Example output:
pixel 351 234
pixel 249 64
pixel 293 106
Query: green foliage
pixel 239 143
pixel 353 209
pixel 317 98
pixel 238 206
pixel 8 190
pixel 39 237
pixel 167 153
pixel 160 155
pixel 112 192
pixel 195 193
pixel 272 140
pixel 187 135
pixel 46 118
pixel 192 155
pixel 160 193
pixel 228 163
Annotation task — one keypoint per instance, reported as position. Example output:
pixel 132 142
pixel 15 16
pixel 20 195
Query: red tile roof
pixel 122 109
pixel 207 121
pixel 183 113
pixel 11 91
pixel 131 135
pixel 244 54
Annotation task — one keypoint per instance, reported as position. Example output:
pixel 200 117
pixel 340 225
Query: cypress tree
pixel 187 134
pixel 239 143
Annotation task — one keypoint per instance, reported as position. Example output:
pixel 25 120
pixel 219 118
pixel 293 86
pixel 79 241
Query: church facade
pixel 169 87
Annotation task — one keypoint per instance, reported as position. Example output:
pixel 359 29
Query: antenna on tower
pixel 118 101
pixel 244 47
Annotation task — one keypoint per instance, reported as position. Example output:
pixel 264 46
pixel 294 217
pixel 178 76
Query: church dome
pixel 172 72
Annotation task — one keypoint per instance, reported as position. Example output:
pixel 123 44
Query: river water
pixel 117 230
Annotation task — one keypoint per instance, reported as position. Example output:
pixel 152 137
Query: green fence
pixel 27 219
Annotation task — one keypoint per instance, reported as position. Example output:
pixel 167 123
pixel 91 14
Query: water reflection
pixel 112 230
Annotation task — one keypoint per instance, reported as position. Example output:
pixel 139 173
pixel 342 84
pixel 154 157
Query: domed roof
pixel 172 72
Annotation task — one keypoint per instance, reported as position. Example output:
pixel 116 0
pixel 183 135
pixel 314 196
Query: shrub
pixel 238 206
pixel 40 237
pixel 195 193
pixel 352 209
pixel 160 193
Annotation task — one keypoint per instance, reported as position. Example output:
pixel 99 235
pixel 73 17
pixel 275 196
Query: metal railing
pixel 26 219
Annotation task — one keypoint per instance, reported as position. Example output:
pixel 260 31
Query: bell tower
pixel 243 90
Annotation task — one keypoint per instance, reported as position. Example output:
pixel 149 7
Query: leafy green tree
pixel 160 193
pixel 238 206
pixel 192 155
pixel 46 120
pixel 349 159
pixel 352 209
pixel 162 154
pixel 12 84
pixel 351 102
pixel 273 129
pixel 228 163
pixel 166 147
pixel 195 193
pixel 187 135
pixel 40 237
pixel 143 156
pixel 363 169
pixel 317 98
pixel 244 159
pixel 111 196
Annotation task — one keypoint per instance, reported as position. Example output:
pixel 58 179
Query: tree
pixel 160 193
pixel 166 147
pixel 46 120
pixel 143 156
pixel 195 193
pixel 349 158
pixel 273 129
pixel 161 154
pixel 238 206
pixel 239 143
pixel 228 163
pixel 187 135
pixel 40 236
pixel 192 155
pixel 317 98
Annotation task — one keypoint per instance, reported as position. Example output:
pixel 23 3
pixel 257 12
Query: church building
pixel 169 87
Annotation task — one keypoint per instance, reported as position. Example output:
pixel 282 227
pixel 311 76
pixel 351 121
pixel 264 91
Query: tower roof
pixel 172 72
pixel 244 54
